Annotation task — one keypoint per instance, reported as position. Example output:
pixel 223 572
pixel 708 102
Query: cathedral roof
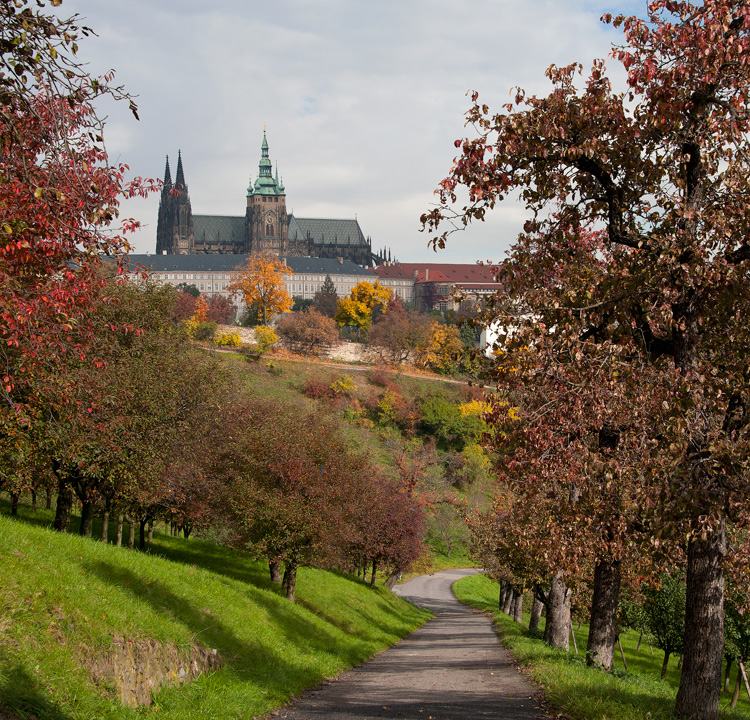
pixel 211 263
pixel 327 230
pixel 214 229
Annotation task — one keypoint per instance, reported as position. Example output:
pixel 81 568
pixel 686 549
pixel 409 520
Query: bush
pixel 343 386
pixel 228 338
pixel 265 338
pixel 205 331
pixel 308 331
pixel 317 390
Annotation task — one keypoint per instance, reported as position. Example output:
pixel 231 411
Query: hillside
pixel 74 609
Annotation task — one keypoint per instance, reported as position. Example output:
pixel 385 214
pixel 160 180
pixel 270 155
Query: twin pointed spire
pixel 179 180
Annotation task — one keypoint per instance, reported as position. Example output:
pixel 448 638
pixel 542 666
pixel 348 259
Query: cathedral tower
pixel 174 228
pixel 266 219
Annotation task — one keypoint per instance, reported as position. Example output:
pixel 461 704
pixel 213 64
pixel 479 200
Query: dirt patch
pixel 140 667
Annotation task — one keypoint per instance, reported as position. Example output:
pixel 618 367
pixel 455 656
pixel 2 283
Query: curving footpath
pixel 452 668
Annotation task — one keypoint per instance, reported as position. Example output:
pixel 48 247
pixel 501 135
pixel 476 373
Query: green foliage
pixel 189 289
pixel 65 597
pixel 205 331
pixel 301 303
pixel 664 611
pixel 451 429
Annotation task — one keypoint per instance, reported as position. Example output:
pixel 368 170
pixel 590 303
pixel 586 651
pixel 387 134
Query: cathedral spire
pixel 180 177
pixel 167 174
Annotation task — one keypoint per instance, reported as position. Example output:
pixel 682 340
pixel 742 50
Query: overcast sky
pixel 362 100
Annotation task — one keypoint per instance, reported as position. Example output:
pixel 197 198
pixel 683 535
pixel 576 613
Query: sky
pixel 361 101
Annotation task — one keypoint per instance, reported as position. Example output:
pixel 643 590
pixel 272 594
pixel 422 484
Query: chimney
pixel 427 275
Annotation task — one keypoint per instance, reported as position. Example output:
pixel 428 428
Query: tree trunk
pixel 600 648
pixel 150 532
pixel 289 583
pixel 727 677
pixel 501 596
pixel 131 533
pixel 536 613
pixel 664 664
pixel 274 567
pixel 118 538
pixel 640 638
pixel 142 533
pixel 105 526
pixel 700 681
pixel 392 579
pixel 48 505
pixel 518 606
pixel 64 505
pixel 508 600
pixel 14 503
pixel 736 693
pixel 87 519
pixel 374 570
pixel 33 500
pixel 557 629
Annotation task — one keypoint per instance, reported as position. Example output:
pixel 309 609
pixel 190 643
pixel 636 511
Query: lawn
pixel 64 600
pixel 581 692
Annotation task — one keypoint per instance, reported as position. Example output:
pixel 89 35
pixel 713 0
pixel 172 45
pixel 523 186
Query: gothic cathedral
pixel 266 226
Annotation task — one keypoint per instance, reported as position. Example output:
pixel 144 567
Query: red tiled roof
pixel 458 274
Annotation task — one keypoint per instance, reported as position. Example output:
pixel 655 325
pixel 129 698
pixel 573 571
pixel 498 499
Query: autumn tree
pixel 59 195
pixel 398 333
pixel 308 332
pixel 364 300
pixel 260 285
pixel 662 170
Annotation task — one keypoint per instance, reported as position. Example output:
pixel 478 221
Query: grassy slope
pixel 578 691
pixel 62 598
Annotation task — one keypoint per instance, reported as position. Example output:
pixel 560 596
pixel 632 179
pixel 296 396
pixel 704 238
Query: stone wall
pixel 140 667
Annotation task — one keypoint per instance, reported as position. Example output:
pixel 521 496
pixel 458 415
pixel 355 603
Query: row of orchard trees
pixel 155 428
pixel 627 309
pixel 102 395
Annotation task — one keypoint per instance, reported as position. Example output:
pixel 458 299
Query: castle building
pixel 265 227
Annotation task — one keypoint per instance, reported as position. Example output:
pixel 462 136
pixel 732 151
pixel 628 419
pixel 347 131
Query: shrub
pixel 205 331
pixel 308 331
pixel 343 386
pixel 228 338
pixel 265 338
pixel 317 390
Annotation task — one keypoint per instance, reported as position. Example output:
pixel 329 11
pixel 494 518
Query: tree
pixel 441 349
pixel 662 171
pixel 398 333
pixel 365 299
pixel 664 609
pixel 59 194
pixel 308 331
pixel 326 299
pixel 260 284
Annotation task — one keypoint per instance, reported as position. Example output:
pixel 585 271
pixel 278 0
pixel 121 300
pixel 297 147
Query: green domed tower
pixel 266 219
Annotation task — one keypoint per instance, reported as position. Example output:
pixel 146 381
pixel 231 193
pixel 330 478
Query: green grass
pixel 581 692
pixel 63 598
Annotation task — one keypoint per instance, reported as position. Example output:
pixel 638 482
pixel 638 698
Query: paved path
pixel 452 668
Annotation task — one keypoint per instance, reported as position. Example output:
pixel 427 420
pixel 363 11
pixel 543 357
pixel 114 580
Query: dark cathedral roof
pixel 219 229
pixel 213 263
pixel 327 231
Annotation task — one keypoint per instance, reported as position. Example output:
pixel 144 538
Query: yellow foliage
pixel 228 338
pixel 260 284
pixel 344 386
pixel 356 310
pixel 475 407
pixel 265 338
pixel 199 315
pixel 442 349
